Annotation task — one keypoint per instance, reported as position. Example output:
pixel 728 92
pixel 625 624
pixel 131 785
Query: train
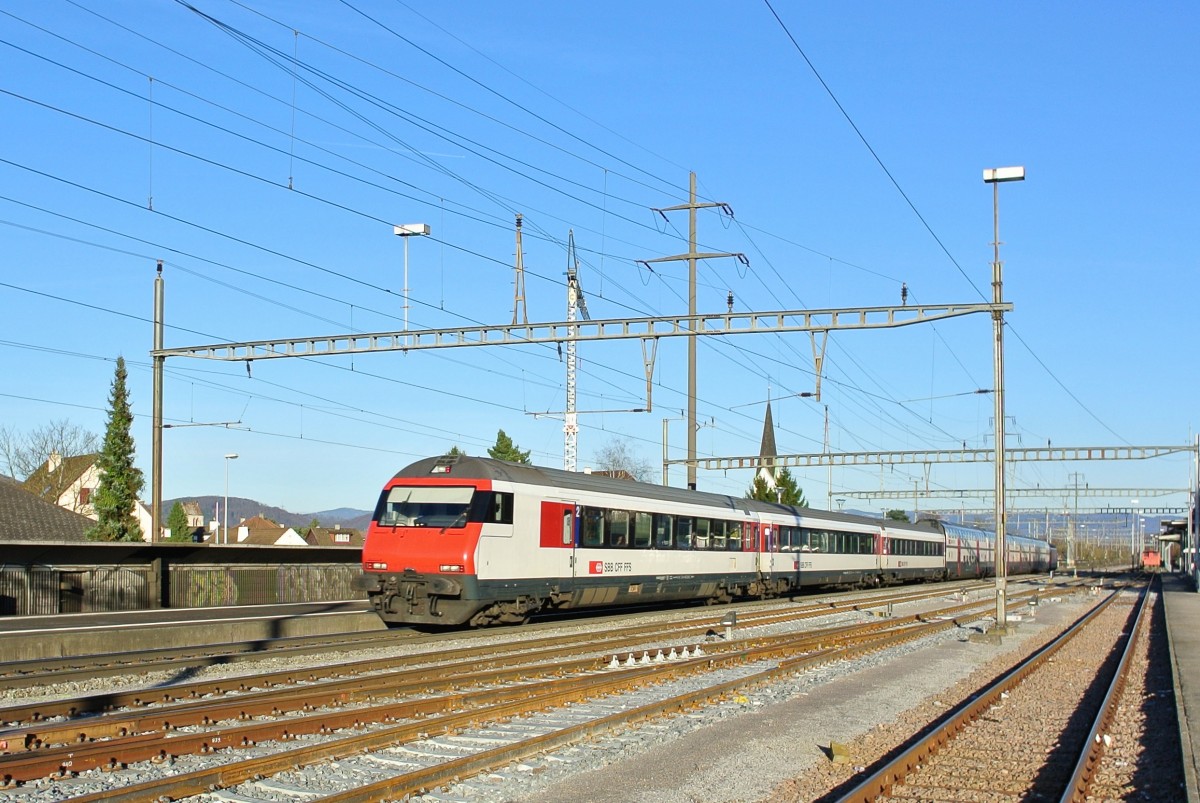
pixel 459 540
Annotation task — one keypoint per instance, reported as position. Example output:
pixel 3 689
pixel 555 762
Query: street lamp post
pixel 228 457
pixel 406 231
pixel 995 176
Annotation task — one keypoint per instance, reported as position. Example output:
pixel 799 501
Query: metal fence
pixel 36 590
pixel 199 586
pixel 51 579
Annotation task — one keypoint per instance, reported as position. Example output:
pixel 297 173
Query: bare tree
pixel 25 452
pixel 615 457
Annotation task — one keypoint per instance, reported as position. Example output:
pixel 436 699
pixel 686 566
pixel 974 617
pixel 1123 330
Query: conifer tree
pixel 505 449
pixel 177 523
pixel 786 490
pixel 120 481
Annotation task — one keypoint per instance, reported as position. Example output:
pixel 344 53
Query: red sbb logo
pixel 595 567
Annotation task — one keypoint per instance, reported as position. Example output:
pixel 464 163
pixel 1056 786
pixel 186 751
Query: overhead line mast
pixel 519 281
pixel 691 256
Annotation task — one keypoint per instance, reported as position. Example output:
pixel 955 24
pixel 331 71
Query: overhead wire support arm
pixel 720 324
pixel 1037 493
pixel 1017 454
pixel 703 255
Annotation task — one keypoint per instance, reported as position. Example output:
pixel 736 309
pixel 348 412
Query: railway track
pixel 42 671
pixel 1041 730
pixel 179 660
pixel 405 707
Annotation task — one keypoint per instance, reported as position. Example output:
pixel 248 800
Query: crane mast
pixel 575 301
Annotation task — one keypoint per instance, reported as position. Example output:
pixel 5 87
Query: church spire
pixel 767 451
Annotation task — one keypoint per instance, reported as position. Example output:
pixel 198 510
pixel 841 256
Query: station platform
pixel 24 638
pixel 1182 606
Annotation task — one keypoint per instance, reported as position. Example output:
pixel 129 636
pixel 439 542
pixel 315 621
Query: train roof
pixel 966 529
pixel 491 469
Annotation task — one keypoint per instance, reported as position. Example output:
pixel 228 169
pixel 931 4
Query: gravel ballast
pixel 754 747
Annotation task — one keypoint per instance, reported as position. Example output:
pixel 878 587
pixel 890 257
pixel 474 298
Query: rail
pixel 881 782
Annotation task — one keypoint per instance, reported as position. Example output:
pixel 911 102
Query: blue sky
pixel 462 115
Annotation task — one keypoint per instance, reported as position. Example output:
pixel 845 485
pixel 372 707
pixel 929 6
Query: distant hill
pixel 240 508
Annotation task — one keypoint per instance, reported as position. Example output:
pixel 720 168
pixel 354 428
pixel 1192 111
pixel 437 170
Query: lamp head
pixel 995 175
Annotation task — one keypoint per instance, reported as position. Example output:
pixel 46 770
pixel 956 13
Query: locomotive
pixel 468 540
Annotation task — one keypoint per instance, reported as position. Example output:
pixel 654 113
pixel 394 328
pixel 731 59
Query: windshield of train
pixel 424 506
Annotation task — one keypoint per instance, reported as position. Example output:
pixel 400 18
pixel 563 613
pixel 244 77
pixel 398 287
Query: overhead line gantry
pixel 704 324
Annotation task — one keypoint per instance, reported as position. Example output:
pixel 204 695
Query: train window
pixel 664 526
pixel 783 539
pixel 733 536
pixel 643 528
pixel 592 527
pixel 499 508
pixel 684 525
pixel 718 534
pixel 798 539
pixel 703 528
pixel 816 541
pixel 617 522
pixel 425 506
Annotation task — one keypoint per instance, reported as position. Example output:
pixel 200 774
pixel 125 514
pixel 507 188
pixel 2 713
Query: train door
pixel 767 539
pixel 559 523
pixel 881 552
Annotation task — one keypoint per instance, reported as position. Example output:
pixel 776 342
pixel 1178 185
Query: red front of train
pixel 419 556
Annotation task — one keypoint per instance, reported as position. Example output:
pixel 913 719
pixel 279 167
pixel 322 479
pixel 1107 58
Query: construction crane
pixel 575 300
